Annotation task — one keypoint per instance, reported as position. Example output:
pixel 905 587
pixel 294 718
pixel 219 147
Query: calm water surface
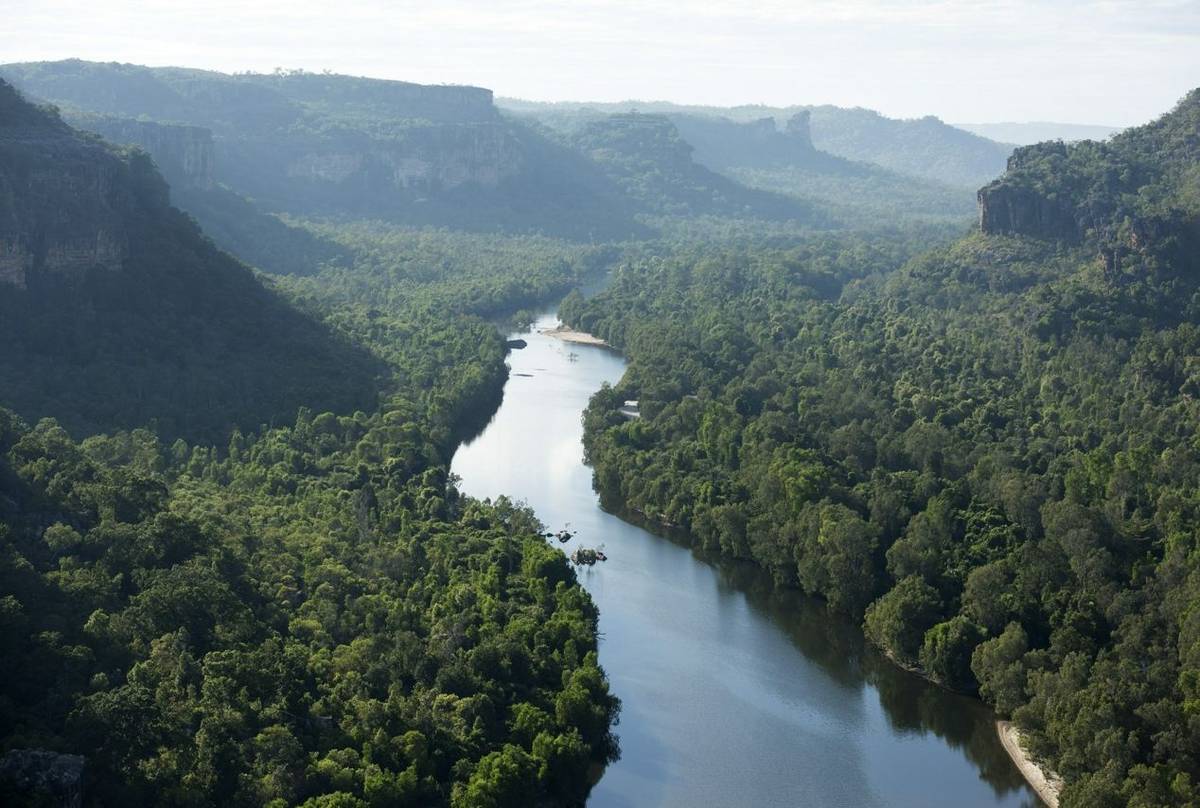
pixel 733 694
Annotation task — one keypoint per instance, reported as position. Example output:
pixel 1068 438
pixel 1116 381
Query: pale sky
pixel 1116 62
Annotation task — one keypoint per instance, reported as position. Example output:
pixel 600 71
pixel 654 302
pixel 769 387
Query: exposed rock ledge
pixel 1045 782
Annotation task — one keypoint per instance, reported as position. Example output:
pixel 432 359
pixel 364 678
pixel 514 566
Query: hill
pixel 1026 133
pixel 985 450
pixel 925 148
pixel 762 154
pixel 312 144
pixel 116 311
pixel 920 147
pixel 1135 198
pixel 649 160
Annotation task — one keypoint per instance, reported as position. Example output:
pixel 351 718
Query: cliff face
pixel 289 137
pixel 65 201
pixel 426 160
pixel 722 143
pixel 1134 198
pixel 184 154
pixel 1012 210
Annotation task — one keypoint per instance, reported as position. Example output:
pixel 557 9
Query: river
pixel 733 693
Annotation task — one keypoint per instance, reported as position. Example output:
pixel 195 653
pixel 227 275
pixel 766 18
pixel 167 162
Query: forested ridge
pixel 987 450
pixel 116 310
pixel 212 609
pixel 306 615
pixel 234 567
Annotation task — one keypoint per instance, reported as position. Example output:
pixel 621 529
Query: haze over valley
pixel 429 427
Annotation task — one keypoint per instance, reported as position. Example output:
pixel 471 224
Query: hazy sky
pixel 1113 62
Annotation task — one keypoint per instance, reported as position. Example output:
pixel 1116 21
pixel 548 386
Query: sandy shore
pixel 566 334
pixel 1046 783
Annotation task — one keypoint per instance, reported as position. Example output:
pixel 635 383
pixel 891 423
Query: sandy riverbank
pixel 566 334
pixel 1046 783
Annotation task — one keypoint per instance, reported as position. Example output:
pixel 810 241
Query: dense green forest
pixel 310 615
pixel 234 567
pixel 302 612
pixel 987 450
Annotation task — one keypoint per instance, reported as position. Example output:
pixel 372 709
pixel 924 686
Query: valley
pixel 314 385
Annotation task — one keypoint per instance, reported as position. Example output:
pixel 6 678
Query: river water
pixel 733 694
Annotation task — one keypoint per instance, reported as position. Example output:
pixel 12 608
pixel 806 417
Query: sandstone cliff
pixel 722 143
pixel 1018 203
pixel 65 201
pixel 299 142
pixel 652 163
pixel 184 154
pixel 1134 197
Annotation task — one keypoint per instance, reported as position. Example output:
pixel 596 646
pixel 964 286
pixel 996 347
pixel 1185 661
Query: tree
pixel 946 652
pixel 998 665
pixel 897 622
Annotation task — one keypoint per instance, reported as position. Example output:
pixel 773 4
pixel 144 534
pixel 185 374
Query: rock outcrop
pixel 1006 208
pixel 65 201
pixel 184 154
pixel 1018 204
pixel 428 160
pixel 43 778
pixel 799 129
pixel 722 143
pixel 1133 197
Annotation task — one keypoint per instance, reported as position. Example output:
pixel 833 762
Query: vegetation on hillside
pixel 298 613
pixel 989 453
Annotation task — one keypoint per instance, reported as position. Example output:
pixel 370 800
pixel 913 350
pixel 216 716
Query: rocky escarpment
pixel 65 201
pixel 1019 204
pixel 428 159
pixel 297 141
pixel 647 157
pixel 1134 197
pixel 184 154
pixel 349 95
pixel 721 143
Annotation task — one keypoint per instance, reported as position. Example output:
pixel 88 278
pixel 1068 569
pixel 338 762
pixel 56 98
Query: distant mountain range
pixel 1025 134
pixel 243 152
pixel 324 145
pixel 925 148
